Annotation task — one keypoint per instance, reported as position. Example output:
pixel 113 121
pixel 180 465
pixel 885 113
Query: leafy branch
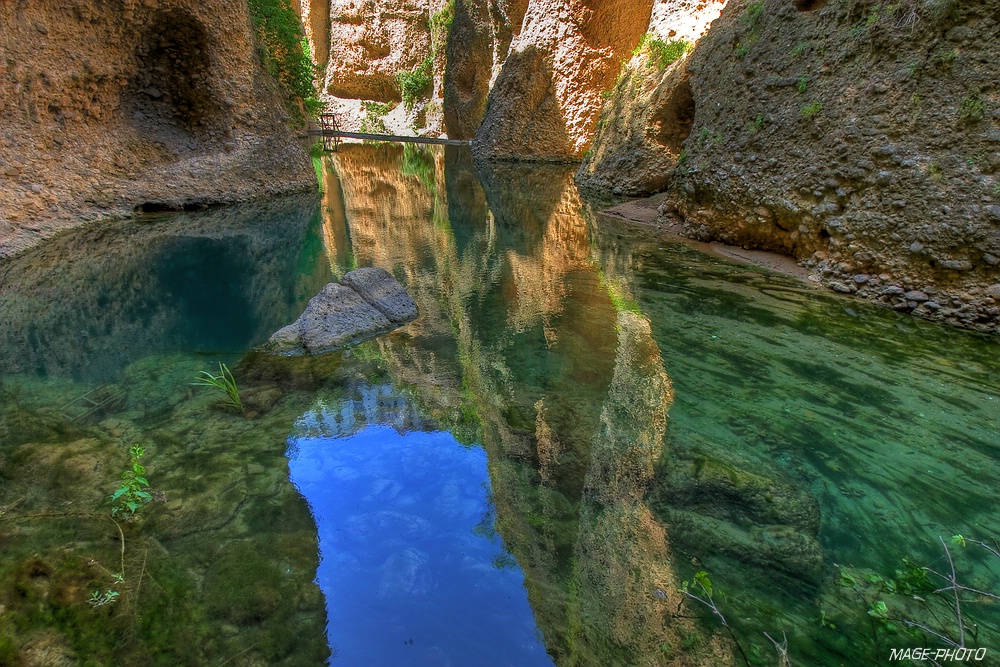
pixel 132 494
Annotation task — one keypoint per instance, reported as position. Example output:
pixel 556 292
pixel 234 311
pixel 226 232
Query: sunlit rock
pixel 339 315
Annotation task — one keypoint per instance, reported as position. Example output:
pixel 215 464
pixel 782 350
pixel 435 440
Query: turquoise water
pixel 584 415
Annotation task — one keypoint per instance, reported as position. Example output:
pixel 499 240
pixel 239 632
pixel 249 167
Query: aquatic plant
pixel 913 603
pixel 225 382
pixel 132 494
pixel 700 590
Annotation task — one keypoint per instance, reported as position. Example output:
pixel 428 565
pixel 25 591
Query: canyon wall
pixel 861 138
pixel 363 46
pixel 546 99
pixel 109 108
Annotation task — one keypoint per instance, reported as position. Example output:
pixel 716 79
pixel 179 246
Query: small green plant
pixel 415 84
pixel 439 24
pixel 944 56
pixel 99 599
pixel 132 493
pixel 752 13
pixel 972 108
pixel 800 48
pixel 700 590
pixel 642 44
pixel 316 152
pixel 755 126
pixel 373 121
pixel 811 109
pixel 934 171
pixel 802 84
pixel 996 189
pixel 708 138
pixel 224 382
pixel 665 54
pixel 742 49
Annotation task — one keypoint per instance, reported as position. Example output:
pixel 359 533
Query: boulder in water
pixel 369 302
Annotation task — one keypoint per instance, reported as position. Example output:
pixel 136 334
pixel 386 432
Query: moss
pixel 285 51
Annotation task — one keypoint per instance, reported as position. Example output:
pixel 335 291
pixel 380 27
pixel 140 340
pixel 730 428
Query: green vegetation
pixel 752 13
pixel 439 24
pixel 802 84
pixel 316 152
pixel 419 162
pixel 811 109
pixel 416 84
pixel 755 126
pixel 286 53
pixel 373 123
pixel 944 56
pixel 132 493
pixel 972 108
pixel 800 48
pixel 662 54
pixel 708 137
pixel 667 53
pixel 750 18
pixel 224 382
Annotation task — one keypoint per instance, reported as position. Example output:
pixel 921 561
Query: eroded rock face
pixel 864 142
pixel 546 99
pixel 370 42
pixel 478 45
pixel 110 107
pixel 649 115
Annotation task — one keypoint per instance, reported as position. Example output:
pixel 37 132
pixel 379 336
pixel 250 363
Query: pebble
pixel 916 295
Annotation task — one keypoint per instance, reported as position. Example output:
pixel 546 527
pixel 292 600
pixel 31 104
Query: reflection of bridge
pixel 332 134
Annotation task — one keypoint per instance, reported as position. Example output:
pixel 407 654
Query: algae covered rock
pixel 369 302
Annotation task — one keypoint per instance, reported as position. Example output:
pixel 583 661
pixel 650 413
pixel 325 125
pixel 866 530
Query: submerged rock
pixel 369 302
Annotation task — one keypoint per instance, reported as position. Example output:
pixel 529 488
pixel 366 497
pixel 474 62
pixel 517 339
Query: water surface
pixel 584 415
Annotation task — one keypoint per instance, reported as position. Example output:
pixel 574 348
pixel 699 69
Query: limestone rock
pixel 339 315
pixel 372 42
pixel 148 94
pixel 382 291
pixel 547 97
pixel 334 317
pixel 650 111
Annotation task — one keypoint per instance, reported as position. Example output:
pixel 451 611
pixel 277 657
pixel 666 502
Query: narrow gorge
pixel 657 333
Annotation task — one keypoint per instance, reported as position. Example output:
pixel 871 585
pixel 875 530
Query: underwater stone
pixel 381 290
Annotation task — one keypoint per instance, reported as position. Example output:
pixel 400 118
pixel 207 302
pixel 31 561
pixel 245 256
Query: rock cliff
pixel 546 99
pixel 109 108
pixel 367 46
pixel 860 138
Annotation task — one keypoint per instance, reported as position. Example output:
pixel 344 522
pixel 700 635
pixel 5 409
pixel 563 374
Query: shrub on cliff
pixel 286 52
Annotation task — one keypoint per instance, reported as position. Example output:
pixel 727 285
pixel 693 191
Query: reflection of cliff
pixel 521 345
pixel 214 281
